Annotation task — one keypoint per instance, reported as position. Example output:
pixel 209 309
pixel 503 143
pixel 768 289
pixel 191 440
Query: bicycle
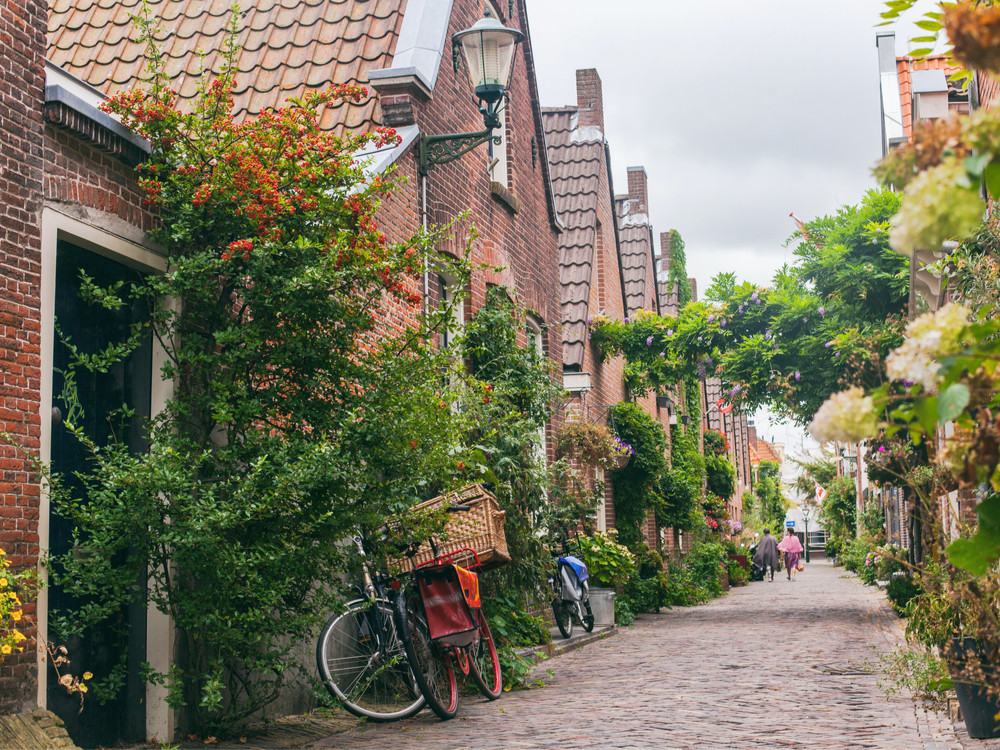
pixel 572 593
pixel 360 656
pixel 442 626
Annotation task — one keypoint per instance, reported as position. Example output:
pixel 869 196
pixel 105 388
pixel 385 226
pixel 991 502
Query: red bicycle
pixel 441 625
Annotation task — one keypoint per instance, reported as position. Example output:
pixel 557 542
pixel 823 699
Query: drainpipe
pixel 427 259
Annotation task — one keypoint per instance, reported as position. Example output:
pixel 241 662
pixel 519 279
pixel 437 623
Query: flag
pixel 723 409
pixel 820 493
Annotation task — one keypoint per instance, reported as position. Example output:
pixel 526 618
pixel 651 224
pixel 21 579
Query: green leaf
pixel 992 176
pixel 975 165
pixel 952 402
pixel 922 52
pixel 978 553
pixel 928 25
pixel 926 410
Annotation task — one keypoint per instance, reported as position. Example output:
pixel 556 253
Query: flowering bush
pixel 609 562
pixel 847 417
pixel 298 415
pixel 928 338
pixel 15 589
pixel 939 204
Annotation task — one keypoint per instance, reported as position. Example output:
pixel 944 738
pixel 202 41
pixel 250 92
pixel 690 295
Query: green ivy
pixel 634 485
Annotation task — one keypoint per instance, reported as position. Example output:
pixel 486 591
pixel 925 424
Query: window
pixel 497 154
pixel 456 319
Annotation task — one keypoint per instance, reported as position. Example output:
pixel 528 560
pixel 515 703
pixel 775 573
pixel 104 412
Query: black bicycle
pixel 361 657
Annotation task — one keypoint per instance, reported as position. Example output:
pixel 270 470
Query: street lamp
pixel 488 48
pixel 806 514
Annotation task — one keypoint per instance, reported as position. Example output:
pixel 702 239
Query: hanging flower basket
pixel 620 455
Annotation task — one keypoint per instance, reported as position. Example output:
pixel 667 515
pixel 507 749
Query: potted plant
pixel 610 565
pixel 592 445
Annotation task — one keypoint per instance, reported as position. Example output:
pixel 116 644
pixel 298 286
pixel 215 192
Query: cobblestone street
pixel 771 665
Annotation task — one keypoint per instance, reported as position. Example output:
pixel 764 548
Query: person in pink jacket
pixel 791 546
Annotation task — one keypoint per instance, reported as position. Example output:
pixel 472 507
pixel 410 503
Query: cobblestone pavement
pixel 771 665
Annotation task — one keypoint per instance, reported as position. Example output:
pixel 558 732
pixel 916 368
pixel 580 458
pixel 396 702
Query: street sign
pixel 789 524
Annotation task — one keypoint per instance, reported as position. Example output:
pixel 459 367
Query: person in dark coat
pixel 766 556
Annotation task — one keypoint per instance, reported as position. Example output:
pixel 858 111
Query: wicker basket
pixel 480 528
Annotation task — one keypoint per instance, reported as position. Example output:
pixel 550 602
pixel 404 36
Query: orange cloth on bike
pixel 470 586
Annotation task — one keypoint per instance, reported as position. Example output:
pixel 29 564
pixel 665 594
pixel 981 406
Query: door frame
pixel 135 252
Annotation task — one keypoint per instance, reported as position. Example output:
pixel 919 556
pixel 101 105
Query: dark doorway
pixel 123 637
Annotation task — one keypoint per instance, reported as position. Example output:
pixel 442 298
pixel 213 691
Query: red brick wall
pixel 22 45
pixel 79 174
pixel 525 243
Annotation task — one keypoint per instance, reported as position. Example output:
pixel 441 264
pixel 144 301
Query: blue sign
pixel 789 524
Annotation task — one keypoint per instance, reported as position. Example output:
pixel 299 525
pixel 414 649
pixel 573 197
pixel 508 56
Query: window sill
pixel 506 197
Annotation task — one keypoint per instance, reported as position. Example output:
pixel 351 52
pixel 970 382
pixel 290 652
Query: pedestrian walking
pixel 766 556
pixel 791 546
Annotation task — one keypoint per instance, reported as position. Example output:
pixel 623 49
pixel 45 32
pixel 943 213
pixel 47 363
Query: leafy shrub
pixel 900 591
pixel 634 484
pixel 646 589
pixel 674 497
pixel 624 615
pixel 721 476
pixel 919 673
pixel 682 590
pixel 716 443
pixel 610 563
pixel 705 564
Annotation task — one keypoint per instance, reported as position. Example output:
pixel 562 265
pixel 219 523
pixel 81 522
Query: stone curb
pixel 560 645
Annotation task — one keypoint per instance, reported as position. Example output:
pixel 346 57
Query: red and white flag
pixel 723 409
pixel 820 493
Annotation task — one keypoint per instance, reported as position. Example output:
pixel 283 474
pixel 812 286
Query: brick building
pixel 70 201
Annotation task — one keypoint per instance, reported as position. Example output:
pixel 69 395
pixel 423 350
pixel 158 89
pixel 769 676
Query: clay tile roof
pixel 289 47
pixel 761 450
pixel 637 256
pixel 904 69
pixel 576 179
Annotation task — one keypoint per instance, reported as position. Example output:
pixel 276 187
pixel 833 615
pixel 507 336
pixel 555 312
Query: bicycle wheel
pixel 588 618
pixel 362 663
pixel 431 665
pixel 484 664
pixel 564 619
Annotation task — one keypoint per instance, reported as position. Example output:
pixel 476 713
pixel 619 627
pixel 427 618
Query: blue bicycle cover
pixel 578 566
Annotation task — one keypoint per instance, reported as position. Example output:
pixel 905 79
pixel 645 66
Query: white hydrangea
pixel 845 417
pixel 938 204
pixel 929 337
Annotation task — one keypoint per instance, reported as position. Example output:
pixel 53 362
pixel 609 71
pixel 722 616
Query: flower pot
pixel 978 709
pixel 620 461
pixel 602 604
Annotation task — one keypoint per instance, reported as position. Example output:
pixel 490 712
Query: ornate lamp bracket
pixel 441 149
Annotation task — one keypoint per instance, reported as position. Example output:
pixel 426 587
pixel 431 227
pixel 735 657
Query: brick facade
pixel 22 45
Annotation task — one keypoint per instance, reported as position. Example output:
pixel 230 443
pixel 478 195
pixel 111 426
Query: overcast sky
pixel 741 112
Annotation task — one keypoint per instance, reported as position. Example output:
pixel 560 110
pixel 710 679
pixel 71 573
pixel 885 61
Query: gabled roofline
pixel 422 40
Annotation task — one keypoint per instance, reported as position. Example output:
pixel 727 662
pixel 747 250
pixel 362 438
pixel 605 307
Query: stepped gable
pixel 289 47
pixel 574 156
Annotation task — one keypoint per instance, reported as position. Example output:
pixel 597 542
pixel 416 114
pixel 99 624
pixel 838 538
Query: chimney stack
pixel 638 199
pixel 666 250
pixel 590 98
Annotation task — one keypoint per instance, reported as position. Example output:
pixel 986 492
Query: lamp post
pixel 488 48
pixel 806 514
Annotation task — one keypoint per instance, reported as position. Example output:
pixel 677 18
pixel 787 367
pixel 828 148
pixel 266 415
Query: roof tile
pixel 289 46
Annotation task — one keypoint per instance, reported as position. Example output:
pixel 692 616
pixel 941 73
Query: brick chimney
pixel 637 196
pixel 666 250
pixel 590 98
